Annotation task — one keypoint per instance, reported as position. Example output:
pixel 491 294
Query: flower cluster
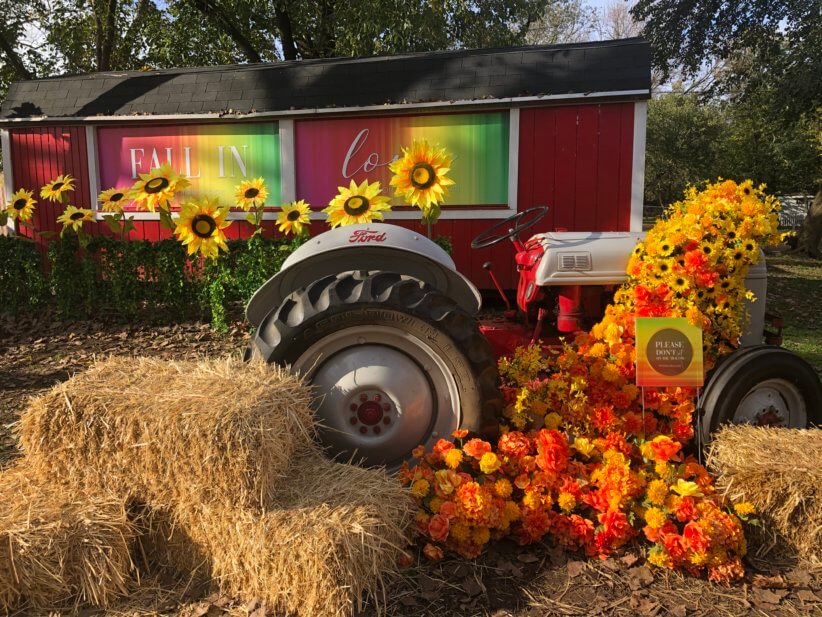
pixel 587 457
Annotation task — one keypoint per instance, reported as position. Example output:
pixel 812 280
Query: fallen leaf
pixel 201 609
pixel 772 582
pixel 642 605
pixel 807 596
pixel 259 612
pixel 640 577
pixel 575 568
pixel 527 558
pixel 629 559
pixel 678 611
pixel 769 596
pixel 473 587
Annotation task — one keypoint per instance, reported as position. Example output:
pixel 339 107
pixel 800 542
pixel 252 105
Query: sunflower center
pixel 423 176
pixel 76 216
pixel 57 186
pixel 155 185
pixel 251 193
pixel 19 204
pixel 203 225
pixel 116 197
pixel 294 215
pixel 356 205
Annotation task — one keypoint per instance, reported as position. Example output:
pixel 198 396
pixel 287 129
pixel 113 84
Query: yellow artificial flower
pixel 684 488
pixel 74 218
pixel 583 445
pixel 357 204
pixel 503 488
pixel 481 535
pixel 420 488
pixel 657 492
pixel 552 420
pixel 250 192
pixel 293 218
pixel 566 501
pixel 21 206
pixel 156 188
pixel 201 225
pixel 489 463
pixel 54 190
pixel 655 518
pixel 420 177
pixel 453 458
pixel 744 508
pixel 113 200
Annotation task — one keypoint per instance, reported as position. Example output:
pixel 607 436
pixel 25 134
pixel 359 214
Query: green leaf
pixel 113 225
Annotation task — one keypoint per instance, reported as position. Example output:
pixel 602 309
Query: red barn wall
pixel 576 159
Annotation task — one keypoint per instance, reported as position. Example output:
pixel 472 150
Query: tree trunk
pixel 13 58
pixel 286 32
pixel 810 234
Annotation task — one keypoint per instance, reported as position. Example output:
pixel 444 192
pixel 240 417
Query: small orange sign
pixel 668 352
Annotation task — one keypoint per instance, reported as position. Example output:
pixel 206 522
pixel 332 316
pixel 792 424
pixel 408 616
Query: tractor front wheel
pixel 393 364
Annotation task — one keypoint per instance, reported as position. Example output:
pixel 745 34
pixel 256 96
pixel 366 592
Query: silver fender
pixel 376 246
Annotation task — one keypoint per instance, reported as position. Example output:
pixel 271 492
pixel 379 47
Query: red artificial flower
pixel 552 450
pixel 686 511
pixel 441 447
pixel 476 448
pixel 438 528
pixel 696 538
pixel 515 445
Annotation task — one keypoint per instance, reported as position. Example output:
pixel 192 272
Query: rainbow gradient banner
pixel 668 352
pixel 330 153
pixel 214 157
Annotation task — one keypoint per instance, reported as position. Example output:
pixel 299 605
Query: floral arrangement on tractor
pixel 587 457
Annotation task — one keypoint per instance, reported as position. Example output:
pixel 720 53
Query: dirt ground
pixel 509 581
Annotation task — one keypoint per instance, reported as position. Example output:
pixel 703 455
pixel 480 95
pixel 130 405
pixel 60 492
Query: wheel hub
pixel 773 402
pixel 373 409
pixel 381 392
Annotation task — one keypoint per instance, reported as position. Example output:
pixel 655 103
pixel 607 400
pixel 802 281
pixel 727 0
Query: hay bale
pixel 335 532
pixel 168 432
pixel 59 547
pixel 778 471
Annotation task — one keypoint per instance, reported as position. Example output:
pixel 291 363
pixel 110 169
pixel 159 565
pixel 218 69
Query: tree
pixel 565 21
pixel 773 51
pixel 683 145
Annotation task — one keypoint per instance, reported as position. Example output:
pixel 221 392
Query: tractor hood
pixel 375 246
pixel 585 258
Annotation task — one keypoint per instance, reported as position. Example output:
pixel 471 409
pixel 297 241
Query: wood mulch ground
pixel 509 581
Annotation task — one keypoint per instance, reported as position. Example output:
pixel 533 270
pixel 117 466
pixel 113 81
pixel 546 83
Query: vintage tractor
pixel 377 318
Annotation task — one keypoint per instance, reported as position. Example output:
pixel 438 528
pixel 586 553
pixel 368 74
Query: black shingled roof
pixel 583 69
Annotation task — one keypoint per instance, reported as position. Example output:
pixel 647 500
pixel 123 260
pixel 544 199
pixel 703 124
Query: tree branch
pixel 13 58
pixel 212 10
pixel 286 32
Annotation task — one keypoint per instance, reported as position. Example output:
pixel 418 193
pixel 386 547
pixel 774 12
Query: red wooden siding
pixel 576 159
pixel 38 155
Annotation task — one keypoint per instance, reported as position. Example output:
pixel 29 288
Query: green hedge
pixel 22 283
pixel 138 280
pixel 135 280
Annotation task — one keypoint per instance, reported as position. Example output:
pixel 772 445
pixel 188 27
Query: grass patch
pixel 795 293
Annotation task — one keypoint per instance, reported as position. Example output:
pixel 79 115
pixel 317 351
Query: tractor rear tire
pixel 393 361
pixel 763 385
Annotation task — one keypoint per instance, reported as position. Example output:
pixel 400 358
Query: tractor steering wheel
pixel 513 226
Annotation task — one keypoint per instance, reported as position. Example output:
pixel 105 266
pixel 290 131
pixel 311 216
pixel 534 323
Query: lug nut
pixel 353 407
pixel 363 397
pixel 386 407
pixel 377 398
pixel 386 420
pixel 363 430
pixel 353 419
pixel 377 430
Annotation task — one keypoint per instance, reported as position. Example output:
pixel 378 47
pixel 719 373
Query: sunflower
pixel 54 190
pixel 250 192
pixel 113 200
pixel 357 204
pixel 420 176
pixel 74 218
pixel 21 206
pixel 293 218
pixel 200 227
pixel 156 188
